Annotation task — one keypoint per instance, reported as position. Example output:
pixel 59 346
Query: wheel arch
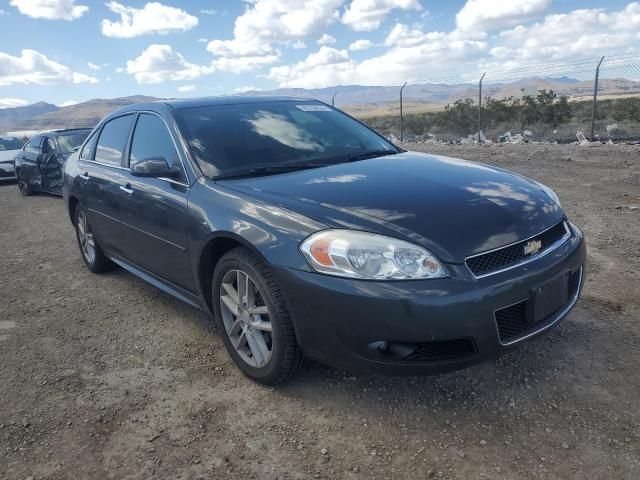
pixel 214 248
pixel 73 203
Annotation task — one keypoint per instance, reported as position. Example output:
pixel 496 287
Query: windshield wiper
pixel 370 154
pixel 270 170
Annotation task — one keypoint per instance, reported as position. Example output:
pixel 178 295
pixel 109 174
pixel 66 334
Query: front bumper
pixel 420 327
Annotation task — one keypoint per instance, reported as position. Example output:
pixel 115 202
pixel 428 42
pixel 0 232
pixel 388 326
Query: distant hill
pixel 9 117
pixel 359 100
pixel 44 116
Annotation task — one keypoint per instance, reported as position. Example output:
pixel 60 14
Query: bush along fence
pixel 596 100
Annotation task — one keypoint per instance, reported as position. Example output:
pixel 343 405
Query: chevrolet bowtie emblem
pixel 532 247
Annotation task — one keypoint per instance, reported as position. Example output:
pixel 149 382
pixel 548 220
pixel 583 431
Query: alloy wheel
pixel 246 318
pixel 87 241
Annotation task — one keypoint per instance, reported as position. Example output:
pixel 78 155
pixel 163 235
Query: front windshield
pixel 10 143
pixel 70 142
pixel 234 139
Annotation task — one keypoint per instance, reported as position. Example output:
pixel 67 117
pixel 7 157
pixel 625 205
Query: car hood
pixel 454 207
pixel 8 155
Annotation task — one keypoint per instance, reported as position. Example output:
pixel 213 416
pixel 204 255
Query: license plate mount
pixel 548 298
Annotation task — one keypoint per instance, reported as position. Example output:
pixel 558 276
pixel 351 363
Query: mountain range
pixel 357 99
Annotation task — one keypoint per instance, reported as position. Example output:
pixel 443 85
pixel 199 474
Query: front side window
pixel 87 150
pixel 227 140
pixel 151 139
pixel 113 140
pixel 33 146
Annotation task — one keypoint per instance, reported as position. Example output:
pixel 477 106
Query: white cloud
pixel 3 12
pixel 298 45
pixel 585 32
pixel 50 9
pixel 247 89
pixel 94 66
pixel 154 17
pixel 159 63
pixel 326 39
pixel 368 15
pixel 268 22
pixel 35 68
pixel 68 103
pixel 203 40
pixel 186 88
pixel 484 15
pixel 360 45
pixel 12 102
pixel 208 11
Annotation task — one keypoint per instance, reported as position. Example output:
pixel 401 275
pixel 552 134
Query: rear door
pixel 101 173
pixel 51 165
pixel 154 210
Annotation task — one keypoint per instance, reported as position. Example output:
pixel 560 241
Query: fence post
pixel 595 98
pixel 401 114
pixel 480 104
pixel 333 99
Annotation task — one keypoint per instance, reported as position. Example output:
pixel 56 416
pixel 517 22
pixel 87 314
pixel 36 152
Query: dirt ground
pixel 107 377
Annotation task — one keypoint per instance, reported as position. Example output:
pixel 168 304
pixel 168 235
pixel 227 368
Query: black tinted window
pixel 151 139
pixel 230 139
pixel 113 140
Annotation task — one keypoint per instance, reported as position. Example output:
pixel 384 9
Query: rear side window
pixel 87 150
pixel 113 140
pixel 152 139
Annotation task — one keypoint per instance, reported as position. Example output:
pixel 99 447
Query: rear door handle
pixel 84 176
pixel 126 189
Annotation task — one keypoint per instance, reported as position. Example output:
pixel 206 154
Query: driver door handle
pixel 84 176
pixel 126 189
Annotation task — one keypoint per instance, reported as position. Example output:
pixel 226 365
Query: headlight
pixel 551 193
pixel 349 253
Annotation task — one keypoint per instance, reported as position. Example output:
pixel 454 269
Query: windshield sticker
pixel 313 108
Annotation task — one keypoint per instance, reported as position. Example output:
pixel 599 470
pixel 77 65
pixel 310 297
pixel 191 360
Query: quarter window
pixel 152 139
pixel 33 146
pixel 113 140
pixel 87 150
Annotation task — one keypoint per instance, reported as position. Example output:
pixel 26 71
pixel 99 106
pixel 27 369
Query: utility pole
pixel 401 114
pixel 480 104
pixel 595 98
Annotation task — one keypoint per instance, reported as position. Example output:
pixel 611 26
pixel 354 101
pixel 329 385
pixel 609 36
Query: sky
pixel 66 51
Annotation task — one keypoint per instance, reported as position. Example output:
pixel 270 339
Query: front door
pixel 155 210
pixel 51 164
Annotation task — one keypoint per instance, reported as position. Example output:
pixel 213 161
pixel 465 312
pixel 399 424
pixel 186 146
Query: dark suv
pixel 302 230
pixel 38 166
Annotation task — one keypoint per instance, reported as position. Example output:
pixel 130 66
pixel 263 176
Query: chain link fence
pixel 593 100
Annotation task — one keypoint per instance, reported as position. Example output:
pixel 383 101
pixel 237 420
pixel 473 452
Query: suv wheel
pixel 91 252
pixel 24 187
pixel 251 314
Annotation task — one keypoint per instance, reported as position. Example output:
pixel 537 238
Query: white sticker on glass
pixel 313 108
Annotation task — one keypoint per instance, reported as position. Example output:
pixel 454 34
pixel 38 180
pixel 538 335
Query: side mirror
pixel 154 167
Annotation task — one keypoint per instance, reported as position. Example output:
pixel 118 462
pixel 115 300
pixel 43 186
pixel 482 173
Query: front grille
pixel 511 255
pixel 512 321
pixel 442 351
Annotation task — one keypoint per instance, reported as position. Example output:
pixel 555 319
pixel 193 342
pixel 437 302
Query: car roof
pixel 182 103
pixel 65 131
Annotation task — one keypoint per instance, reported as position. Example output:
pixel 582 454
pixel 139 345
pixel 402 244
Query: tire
pixel 90 250
pixel 285 359
pixel 24 187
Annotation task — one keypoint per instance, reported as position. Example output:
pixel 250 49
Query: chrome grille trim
pixel 526 260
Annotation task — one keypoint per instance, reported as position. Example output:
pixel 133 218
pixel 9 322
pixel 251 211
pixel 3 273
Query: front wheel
pixel 24 187
pixel 94 259
pixel 253 319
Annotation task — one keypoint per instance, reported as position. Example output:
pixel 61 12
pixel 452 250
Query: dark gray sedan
pixel 307 234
